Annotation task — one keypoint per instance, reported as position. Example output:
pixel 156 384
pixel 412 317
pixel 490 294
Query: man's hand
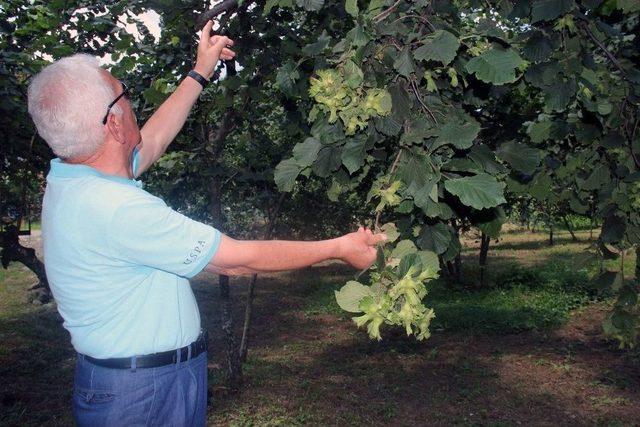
pixel 359 248
pixel 210 50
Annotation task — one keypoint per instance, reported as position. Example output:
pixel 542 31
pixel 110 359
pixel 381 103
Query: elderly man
pixel 118 259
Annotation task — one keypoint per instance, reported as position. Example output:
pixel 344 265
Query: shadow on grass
pixel 448 379
pixel 536 244
pixel 36 370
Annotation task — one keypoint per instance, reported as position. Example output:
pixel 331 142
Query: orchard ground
pixel 527 350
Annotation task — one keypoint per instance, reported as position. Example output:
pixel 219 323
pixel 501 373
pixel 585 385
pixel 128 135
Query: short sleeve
pixel 145 231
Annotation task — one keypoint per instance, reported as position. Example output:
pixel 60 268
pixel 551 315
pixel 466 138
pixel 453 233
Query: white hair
pixel 67 101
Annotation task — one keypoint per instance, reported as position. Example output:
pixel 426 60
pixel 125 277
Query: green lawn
pixel 527 349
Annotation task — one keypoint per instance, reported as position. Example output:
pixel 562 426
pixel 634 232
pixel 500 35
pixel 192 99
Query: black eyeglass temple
pixel 125 92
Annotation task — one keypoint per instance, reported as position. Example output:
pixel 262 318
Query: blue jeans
pixel 171 395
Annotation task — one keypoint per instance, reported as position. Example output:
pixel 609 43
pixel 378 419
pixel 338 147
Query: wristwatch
pixel 197 77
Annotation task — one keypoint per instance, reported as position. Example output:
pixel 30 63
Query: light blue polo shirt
pixel 118 260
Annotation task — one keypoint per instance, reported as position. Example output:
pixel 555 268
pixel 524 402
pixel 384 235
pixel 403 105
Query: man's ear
pixel 115 126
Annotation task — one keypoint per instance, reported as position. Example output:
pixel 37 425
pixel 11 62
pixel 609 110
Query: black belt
pixel 157 359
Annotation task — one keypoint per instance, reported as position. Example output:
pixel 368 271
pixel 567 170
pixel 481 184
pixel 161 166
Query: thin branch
pixel 394 166
pixel 416 92
pixel 411 15
pixel 631 136
pixel 614 61
pixel 379 17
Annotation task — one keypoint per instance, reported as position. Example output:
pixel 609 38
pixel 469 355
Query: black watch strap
pixel 197 77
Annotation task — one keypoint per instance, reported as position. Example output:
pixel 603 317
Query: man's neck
pixel 109 162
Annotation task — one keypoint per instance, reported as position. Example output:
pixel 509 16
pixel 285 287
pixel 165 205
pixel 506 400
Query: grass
pixel 528 349
pixel 35 353
pixel 520 299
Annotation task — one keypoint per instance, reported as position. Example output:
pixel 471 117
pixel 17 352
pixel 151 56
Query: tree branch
pixel 225 6
pixel 416 92
pixel 614 61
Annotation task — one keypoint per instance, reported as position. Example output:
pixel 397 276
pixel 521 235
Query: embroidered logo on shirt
pixel 195 252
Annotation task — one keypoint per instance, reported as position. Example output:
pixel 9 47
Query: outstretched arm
pixel 238 257
pixel 163 126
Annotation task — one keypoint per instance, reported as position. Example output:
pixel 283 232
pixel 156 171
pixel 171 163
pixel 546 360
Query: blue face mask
pixel 134 161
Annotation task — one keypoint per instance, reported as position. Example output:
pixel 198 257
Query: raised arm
pixel 163 126
pixel 238 257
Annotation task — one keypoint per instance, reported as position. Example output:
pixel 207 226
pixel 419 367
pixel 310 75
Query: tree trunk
pixel 215 142
pixel 457 262
pixel 12 250
pixel 234 367
pixel 234 374
pixel 248 312
pixel 637 265
pixel 550 231
pixel 484 251
pixel 456 266
pixel 570 228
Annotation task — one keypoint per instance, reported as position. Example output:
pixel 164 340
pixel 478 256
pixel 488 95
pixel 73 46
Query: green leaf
pixel 429 259
pixel 391 231
pixel 496 66
pixel 491 222
pixel 403 248
pixel 404 63
pixel 623 320
pixel 270 4
pixel 310 5
pixel 627 297
pixel 606 281
pixel 520 157
pixel 538 48
pixel 453 250
pixel 485 157
pixel 388 125
pixel 457 133
pixel 408 261
pixel 558 95
pixel 317 47
pixel 306 152
pixel 354 153
pixel 480 191
pixel 628 6
pixel 539 189
pixel 599 177
pixel 435 238
pixel 350 295
pixel 613 229
pixel 358 36
pixel 440 46
pixel 286 173
pixel 286 77
pixel 352 74
pixel 539 131
pixel 351 6
pixel 547 10
pixel 329 159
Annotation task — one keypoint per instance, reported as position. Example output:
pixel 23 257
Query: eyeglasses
pixel 125 93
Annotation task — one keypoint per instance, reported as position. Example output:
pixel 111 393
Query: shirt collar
pixel 61 169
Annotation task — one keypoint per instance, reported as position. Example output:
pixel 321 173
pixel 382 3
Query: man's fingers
pixel 206 31
pixel 227 52
pixel 377 238
pixel 221 40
